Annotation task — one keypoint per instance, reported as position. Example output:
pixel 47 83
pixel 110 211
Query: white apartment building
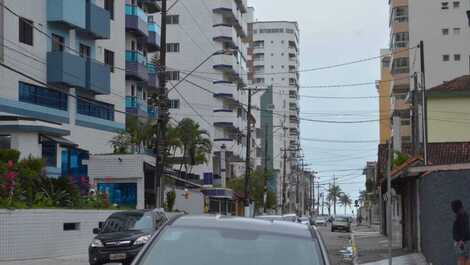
pixel 70 46
pixel 275 63
pixel 196 30
pixel 443 26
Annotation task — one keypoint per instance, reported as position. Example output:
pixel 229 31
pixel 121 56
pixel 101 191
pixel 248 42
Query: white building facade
pixel 275 64
pixel 213 95
pixel 443 26
pixel 62 98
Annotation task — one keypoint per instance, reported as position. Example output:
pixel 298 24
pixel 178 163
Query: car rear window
pixel 120 222
pixel 204 246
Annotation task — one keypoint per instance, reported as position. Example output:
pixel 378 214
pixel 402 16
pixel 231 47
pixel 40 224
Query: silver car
pixel 341 223
pixel 211 240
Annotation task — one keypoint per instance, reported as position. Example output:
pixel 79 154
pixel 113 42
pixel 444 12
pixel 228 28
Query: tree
pixel 334 193
pixel 346 201
pixel 256 186
pixel 136 138
pixel 194 143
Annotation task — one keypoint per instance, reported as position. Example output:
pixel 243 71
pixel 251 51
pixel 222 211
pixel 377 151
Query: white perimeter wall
pixel 27 234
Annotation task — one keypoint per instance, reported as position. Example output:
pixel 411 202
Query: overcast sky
pixel 334 32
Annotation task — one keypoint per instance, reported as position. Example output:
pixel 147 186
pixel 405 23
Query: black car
pixel 211 240
pixel 123 234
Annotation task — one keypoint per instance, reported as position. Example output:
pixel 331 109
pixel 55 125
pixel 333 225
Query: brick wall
pixel 437 190
pixel 26 234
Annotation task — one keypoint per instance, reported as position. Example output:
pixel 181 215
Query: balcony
pixel 151 6
pixel 89 19
pixel 153 81
pixel 224 33
pixel 136 20
pixel 136 106
pixel 136 66
pixel 66 69
pixel 153 39
pixel 230 11
pixel 225 87
pixel 98 22
pixel 70 13
pixel 98 77
pixel 225 118
pixel 225 63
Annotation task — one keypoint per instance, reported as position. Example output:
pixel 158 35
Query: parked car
pixel 321 221
pixel 341 223
pixel 213 240
pixel 291 218
pixel 123 235
pixel 306 220
pixel 270 217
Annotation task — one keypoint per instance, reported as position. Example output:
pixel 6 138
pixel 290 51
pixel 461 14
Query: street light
pixel 220 52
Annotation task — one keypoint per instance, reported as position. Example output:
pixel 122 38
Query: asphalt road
pixel 335 242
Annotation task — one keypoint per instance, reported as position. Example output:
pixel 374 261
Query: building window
pixel 95 109
pixel 173 75
pixel 109 6
pixel 84 51
pixel 42 96
pixel 456 4
pixel 405 122
pixel 400 65
pixel 400 14
pixel 258 56
pixel 445 32
pixel 445 57
pixel 259 68
pixel 173 47
pixel 109 59
pixel 258 44
pixel 57 43
pixel 400 40
pixel 259 80
pixel 445 5
pixel 272 66
pixel 5 141
pixel 174 103
pixel 456 31
pixel 49 152
pixel 456 57
pixel 26 31
pixel 173 19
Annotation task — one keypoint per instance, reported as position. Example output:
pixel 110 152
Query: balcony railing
pixel 132 10
pixel 136 20
pixel 136 57
pixel 95 109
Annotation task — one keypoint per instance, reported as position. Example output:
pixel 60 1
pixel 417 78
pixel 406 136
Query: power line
pixel 338 141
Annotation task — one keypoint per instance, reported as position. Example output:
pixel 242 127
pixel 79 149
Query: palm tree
pixel 346 201
pixel 195 144
pixel 334 193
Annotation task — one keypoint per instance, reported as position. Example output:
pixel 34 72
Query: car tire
pixel 95 263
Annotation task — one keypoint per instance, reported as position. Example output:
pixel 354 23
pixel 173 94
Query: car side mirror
pixel 100 224
pixel 96 231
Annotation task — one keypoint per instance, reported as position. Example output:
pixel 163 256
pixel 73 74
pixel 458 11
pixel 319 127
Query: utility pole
pixel 318 198
pixel 163 115
pixel 389 201
pixel 265 195
pixel 248 148
pixel 425 108
pixel 334 198
pixel 284 184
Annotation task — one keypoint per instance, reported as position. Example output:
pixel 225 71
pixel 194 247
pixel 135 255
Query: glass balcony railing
pixel 131 102
pixel 154 27
pixel 151 68
pixel 132 10
pixel 136 57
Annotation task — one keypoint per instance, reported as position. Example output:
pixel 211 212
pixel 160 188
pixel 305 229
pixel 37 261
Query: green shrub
pixel 9 155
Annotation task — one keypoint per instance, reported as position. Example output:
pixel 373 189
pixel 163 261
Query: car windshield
pixel 232 247
pixel 341 219
pixel 120 222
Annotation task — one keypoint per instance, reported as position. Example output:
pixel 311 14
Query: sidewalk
pixel 371 248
